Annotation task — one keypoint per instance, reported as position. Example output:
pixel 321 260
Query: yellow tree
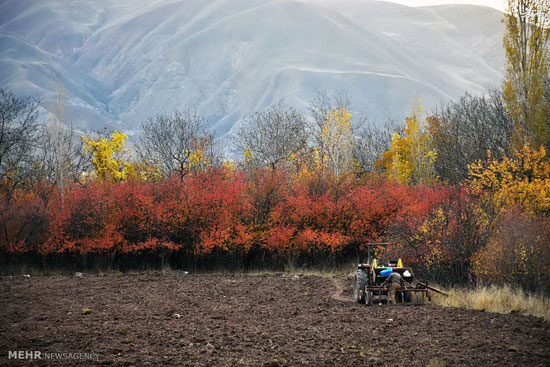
pixel 337 142
pixel 306 164
pixel 514 193
pixel 411 157
pixel 200 155
pixel 522 179
pixel 106 157
pixel 526 48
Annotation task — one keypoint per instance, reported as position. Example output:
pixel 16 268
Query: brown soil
pixel 250 320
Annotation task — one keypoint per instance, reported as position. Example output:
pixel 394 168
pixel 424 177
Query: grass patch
pixel 495 299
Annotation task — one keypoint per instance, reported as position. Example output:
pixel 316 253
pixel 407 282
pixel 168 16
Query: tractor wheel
pixel 359 285
pixel 369 298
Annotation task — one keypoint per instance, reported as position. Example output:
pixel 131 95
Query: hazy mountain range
pixel 124 61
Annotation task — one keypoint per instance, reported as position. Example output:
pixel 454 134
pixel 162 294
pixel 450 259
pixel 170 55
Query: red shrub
pixel 23 223
pixel 217 210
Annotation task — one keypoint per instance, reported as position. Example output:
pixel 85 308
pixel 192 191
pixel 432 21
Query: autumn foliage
pixel 514 207
pixel 224 211
pixel 314 209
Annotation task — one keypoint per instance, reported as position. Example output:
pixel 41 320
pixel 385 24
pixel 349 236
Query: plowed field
pixel 221 320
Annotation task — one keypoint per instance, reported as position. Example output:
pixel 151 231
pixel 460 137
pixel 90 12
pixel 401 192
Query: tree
pixel 105 155
pixel 60 156
pixel 411 157
pixel 57 138
pixel 320 109
pixel 522 179
pixel 463 131
pixel 337 142
pixel 526 48
pixel 18 139
pixel 21 215
pixel 273 137
pixel 518 253
pixel 321 105
pixel 176 143
pixel 371 142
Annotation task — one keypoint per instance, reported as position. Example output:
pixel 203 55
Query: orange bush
pixel 222 211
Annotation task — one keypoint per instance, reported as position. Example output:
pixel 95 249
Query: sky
pixel 497 4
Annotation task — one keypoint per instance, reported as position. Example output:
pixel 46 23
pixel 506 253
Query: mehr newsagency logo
pixel 36 354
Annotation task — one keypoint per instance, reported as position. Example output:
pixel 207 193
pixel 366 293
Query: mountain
pixel 121 62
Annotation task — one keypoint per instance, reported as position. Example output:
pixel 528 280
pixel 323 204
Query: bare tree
pixel 176 143
pixel 57 139
pixel 18 139
pixel 464 131
pixel 60 152
pixel 371 141
pixel 272 136
pixel 60 157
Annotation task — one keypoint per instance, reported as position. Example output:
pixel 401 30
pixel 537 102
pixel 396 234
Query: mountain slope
pixel 122 62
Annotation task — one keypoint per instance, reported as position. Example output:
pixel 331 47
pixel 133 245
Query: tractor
pixel 368 285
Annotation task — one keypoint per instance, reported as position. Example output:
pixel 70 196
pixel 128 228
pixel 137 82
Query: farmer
pixel 395 283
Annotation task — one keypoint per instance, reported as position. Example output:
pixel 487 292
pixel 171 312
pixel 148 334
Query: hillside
pixel 122 62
